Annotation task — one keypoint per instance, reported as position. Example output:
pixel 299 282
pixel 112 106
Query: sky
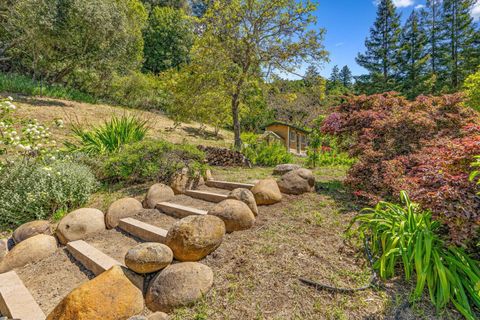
pixel 348 23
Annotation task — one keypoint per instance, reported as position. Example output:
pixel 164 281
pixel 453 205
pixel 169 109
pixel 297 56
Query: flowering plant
pixel 30 140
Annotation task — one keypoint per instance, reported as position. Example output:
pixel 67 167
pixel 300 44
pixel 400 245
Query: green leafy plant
pixel 149 160
pixel 263 153
pixel 31 190
pixel 109 137
pixel 475 175
pixel 404 235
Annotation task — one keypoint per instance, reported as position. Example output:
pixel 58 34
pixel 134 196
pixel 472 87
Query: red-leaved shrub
pixel 424 146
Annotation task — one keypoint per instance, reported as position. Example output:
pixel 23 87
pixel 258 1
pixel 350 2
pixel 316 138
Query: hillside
pixel 47 110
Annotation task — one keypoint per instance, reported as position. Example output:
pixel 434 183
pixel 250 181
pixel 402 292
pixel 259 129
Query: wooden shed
pixel 295 139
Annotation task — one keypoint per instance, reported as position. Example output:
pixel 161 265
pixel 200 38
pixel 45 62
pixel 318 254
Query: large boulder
pixel 281 169
pixel 148 257
pixel 178 285
pixel 246 196
pixel 109 296
pixel 266 192
pixel 28 251
pixel 156 194
pixel 235 214
pixel 194 237
pixel 181 181
pixel 120 209
pixel 158 316
pixel 30 229
pixel 80 223
pixel 297 182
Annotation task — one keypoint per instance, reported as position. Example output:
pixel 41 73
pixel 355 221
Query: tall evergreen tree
pixel 432 24
pixel 335 75
pixel 346 77
pixel 413 56
pixel 460 50
pixel 381 58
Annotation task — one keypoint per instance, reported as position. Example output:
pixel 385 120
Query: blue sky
pixel 348 23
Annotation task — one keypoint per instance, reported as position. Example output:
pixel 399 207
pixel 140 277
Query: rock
pixel 109 296
pixel 194 237
pixel 266 192
pixel 122 208
pixel 148 257
pixel 157 193
pixel 28 251
pixel 178 285
pixel 208 175
pixel 297 182
pixel 281 169
pixel 30 229
pixel 158 316
pixel 3 248
pixel 246 196
pixel 180 182
pixel 138 318
pixel 235 214
pixel 80 223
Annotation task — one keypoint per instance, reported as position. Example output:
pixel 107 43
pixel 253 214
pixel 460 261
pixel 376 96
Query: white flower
pixel 10 98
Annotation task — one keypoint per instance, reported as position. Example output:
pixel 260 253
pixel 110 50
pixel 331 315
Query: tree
pixel 381 59
pixel 92 38
pixel 432 24
pixel 335 76
pixel 414 58
pixel 460 50
pixel 472 90
pixel 175 4
pixel 168 39
pixel 346 77
pixel 255 35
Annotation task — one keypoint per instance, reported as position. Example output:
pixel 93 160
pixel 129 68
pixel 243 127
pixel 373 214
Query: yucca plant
pixel 109 137
pixel 403 236
pixel 475 175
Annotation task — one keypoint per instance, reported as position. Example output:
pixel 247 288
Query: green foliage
pixel 405 235
pixel 472 91
pixel 152 160
pixel 56 41
pixel 168 39
pixel 32 191
pixel 475 174
pixel 261 152
pixel 111 136
pixel 11 82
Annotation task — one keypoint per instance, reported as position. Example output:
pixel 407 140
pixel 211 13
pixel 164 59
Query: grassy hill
pixel 88 115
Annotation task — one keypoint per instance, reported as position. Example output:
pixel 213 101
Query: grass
pixel 15 83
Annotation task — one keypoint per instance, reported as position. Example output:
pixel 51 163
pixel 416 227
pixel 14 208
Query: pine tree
pixel 432 24
pixel 381 58
pixel 346 77
pixel 413 57
pixel 460 50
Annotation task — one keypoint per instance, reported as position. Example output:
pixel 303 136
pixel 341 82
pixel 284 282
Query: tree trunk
pixel 236 121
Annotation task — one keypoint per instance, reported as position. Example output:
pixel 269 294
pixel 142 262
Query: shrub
pixel 475 174
pixel 406 236
pixel 152 160
pixel 31 191
pixel 110 137
pixel 323 150
pixel 424 147
pixel 472 90
pixel 264 153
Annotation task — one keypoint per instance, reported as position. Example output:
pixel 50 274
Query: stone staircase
pixel 18 303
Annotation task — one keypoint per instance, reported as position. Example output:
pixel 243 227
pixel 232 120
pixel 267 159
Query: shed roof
pixel 288 125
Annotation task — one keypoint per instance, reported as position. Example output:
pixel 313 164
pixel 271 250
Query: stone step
pixel 92 258
pixel 143 230
pixel 207 196
pixel 228 185
pixel 16 302
pixel 178 211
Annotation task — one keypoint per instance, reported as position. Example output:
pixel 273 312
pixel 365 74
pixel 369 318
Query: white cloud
pixel 476 11
pixel 403 3
pixel 419 6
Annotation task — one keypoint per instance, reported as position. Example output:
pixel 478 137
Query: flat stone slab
pixel 143 230
pixel 16 302
pixel 178 211
pixel 207 196
pixel 92 258
pixel 228 185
